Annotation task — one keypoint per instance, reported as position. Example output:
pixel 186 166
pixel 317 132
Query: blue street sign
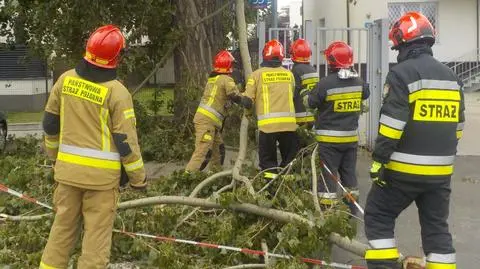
pixel 260 4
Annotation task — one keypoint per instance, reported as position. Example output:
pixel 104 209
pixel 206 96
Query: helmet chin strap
pixel 344 73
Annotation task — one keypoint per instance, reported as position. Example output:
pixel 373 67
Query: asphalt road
pixel 464 216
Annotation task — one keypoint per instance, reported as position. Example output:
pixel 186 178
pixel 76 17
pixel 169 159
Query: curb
pixel 29 126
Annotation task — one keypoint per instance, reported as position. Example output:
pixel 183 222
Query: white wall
pixel 295 13
pixel 24 87
pixel 457 21
pixel 456 29
pixel 166 74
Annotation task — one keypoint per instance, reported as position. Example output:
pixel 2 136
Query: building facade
pixel 24 80
pixel 456 21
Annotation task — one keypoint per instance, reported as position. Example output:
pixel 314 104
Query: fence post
pixel 309 35
pixel 261 40
pixel 378 69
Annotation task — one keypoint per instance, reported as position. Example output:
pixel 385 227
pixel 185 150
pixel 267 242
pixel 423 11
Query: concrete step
pixel 474 87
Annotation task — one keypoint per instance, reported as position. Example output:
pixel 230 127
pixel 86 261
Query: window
pixel 429 9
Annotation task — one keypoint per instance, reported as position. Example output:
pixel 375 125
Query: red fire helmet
pixel 104 47
pixel 412 26
pixel 273 50
pixel 223 62
pixel 339 55
pixel 300 51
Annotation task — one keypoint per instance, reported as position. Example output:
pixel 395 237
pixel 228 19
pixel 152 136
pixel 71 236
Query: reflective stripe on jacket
pixel 271 90
pixel 215 99
pixel 338 103
pixel 421 119
pixel 97 133
pixel 306 78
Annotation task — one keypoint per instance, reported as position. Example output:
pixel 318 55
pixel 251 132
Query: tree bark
pixel 270 213
pixel 247 67
pixel 193 56
pixel 352 246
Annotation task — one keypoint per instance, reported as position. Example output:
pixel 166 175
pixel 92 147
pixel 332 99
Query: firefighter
pixel 89 126
pixel 338 100
pixel 219 92
pixel 421 121
pixel 306 78
pixel 270 89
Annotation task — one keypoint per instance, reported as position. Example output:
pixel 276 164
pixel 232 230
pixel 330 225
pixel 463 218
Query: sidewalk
pixel 469 144
pixel 24 129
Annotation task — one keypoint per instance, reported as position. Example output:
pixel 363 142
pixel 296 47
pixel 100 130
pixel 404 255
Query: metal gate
pixel 370 47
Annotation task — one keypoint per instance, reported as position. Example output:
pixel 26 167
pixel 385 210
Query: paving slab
pixel 470 144
pixel 464 215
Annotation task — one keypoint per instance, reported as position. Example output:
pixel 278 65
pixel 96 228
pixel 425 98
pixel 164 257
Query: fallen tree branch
pixel 215 194
pixel 275 214
pixel 352 246
pixel 247 266
pixel 241 157
pixel 247 67
pixel 265 250
pixel 316 203
pixel 25 218
pixel 349 245
pixel 208 181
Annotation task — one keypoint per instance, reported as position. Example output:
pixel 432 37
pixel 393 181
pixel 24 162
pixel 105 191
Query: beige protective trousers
pixel 209 147
pixel 97 209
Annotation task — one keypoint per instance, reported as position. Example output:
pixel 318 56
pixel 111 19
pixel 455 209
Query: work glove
pixel 237 99
pixel 376 173
pixel 123 178
pixel 139 187
pixel 305 100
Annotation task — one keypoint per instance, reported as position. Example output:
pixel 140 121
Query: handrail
pixel 462 57
pixel 467 66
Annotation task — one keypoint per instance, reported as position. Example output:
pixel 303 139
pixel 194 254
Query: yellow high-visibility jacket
pixel 215 98
pixel 271 90
pixel 96 133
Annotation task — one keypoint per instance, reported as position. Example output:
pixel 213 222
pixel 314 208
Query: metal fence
pixel 286 36
pixel 357 38
pixel 370 47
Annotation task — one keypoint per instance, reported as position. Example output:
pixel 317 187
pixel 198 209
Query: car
pixel 3 131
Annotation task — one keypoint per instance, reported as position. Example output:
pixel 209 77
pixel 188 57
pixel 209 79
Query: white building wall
pixel 295 13
pixel 456 26
pixel 166 74
pixel 24 87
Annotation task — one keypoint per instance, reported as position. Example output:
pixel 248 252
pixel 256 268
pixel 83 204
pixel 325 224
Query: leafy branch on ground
pixel 22 242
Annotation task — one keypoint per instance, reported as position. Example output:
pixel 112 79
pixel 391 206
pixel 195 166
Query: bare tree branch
pixel 315 181
pixel 247 67
pixel 349 245
pixel 265 250
pixel 170 50
pixel 270 213
pixel 352 246
pixel 247 266
pixel 208 181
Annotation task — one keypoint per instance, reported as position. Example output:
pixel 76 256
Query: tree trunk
pixel 193 56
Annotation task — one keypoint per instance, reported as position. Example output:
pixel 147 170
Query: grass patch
pixel 158 104
pixel 145 96
pixel 24 117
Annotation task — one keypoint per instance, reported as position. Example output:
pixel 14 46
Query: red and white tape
pixel 242 250
pixel 6 189
pixel 347 193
